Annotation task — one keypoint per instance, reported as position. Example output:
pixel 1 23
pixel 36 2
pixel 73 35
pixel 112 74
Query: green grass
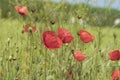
pixel 34 62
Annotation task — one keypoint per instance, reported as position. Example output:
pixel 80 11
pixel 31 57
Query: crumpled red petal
pixel 51 40
pixel 65 35
pixel 22 11
pixel 85 36
pixel 79 56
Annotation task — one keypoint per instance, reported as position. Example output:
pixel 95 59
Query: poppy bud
pixel 52 22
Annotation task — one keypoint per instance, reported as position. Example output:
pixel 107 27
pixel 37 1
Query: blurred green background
pixel 63 11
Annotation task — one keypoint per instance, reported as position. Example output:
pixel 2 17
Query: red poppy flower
pixel 79 56
pixel 69 74
pixel 51 40
pixel 114 55
pixel 22 11
pixel 65 35
pixel 27 28
pixel 85 36
pixel 115 75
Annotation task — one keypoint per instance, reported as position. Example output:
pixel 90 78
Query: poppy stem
pixel 45 54
pixel 99 38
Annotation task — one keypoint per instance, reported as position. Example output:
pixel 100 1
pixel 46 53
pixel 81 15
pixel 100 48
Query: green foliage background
pixel 62 12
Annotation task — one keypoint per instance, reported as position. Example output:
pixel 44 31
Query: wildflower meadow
pixel 49 40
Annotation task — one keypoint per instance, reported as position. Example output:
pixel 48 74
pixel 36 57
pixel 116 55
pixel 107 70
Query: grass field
pixel 24 57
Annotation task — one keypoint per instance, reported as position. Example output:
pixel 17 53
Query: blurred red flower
pixel 51 40
pixel 114 55
pixel 79 56
pixel 85 36
pixel 22 11
pixel 115 75
pixel 65 35
pixel 69 74
pixel 28 28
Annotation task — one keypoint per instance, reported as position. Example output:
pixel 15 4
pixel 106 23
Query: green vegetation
pixel 16 45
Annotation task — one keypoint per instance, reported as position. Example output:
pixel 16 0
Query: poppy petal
pixel 51 40
pixel 22 11
pixel 85 36
pixel 115 75
pixel 114 55
pixel 65 35
pixel 34 29
pixel 79 56
pixel 69 74
pixel 26 28
pixel 17 8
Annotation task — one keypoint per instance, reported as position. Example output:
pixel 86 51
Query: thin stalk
pixel 45 54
